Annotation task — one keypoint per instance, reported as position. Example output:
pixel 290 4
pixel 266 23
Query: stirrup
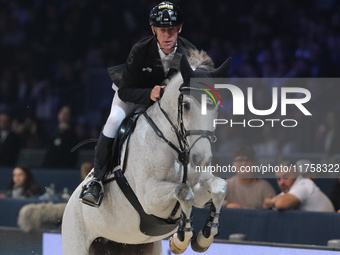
pixel 101 193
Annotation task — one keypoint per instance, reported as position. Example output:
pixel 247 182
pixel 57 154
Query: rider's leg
pixel 103 149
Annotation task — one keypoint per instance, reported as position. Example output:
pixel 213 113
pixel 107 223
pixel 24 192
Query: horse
pixel 160 172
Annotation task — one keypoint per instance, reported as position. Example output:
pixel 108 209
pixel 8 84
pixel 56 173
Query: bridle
pixel 183 149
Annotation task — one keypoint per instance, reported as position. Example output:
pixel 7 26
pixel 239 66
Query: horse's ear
pixel 222 70
pixel 186 70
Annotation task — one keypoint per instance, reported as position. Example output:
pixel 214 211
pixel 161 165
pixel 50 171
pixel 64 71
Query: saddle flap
pixel 125 130
pixel 149 224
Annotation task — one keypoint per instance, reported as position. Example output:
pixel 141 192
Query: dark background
pixel 55 53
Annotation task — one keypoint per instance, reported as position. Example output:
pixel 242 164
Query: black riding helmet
pixel 166 14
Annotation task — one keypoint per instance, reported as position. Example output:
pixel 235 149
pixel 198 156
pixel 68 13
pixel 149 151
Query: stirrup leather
pixel 86 186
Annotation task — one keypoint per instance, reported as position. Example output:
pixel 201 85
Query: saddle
pixel 124 131
pixel 149 224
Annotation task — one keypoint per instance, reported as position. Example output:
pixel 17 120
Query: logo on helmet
pixel 168 6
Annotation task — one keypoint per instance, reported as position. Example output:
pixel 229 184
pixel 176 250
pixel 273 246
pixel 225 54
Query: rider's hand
pixel 156 93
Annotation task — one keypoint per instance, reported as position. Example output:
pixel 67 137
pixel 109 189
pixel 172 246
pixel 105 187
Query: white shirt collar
pixel 166 56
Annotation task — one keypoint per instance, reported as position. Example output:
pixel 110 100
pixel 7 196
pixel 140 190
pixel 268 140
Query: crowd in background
pixel 47 49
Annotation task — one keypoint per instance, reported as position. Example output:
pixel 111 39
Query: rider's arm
pixel 130 89
pixel 137 84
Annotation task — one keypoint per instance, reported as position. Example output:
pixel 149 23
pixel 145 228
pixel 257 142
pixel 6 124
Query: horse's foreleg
pixel 181 239
pixel 218 189
pixel 76 238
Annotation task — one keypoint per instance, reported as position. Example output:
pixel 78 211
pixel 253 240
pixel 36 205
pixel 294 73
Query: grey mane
pixel 197 59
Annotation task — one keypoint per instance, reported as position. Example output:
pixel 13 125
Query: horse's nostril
pixel 199 160
pixel 208 163
pixel 194 159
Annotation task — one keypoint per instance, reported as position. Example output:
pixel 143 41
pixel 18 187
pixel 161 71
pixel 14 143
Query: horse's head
pixel 199 127
pixel 196 130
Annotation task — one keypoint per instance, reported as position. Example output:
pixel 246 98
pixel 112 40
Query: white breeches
pixel 119 110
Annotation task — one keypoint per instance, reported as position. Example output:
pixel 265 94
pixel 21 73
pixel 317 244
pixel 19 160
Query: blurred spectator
pixel 269 143
pixel 331 138
pixel 9 142
pixel 244 190
pixel 335 195
pixel 298 193
pixel 35 136
pixel 31 133
pixel 327 136
pixel 303 166
pixel 45 97
pixel 23 184
pixel 58 154
pixel 48 50
pixel 83 132
pixel 85 168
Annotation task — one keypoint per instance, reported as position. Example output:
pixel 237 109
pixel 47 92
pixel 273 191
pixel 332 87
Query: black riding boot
pixel 102 156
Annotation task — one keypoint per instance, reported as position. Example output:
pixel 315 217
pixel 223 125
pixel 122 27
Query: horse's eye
pixel 186 106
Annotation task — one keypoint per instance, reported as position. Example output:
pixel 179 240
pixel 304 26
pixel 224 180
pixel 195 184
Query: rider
pixel 140 85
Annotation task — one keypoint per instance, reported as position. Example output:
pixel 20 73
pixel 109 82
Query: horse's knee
pixel 219 189
pixel 184 194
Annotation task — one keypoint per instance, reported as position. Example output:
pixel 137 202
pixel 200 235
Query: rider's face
pixel 167 37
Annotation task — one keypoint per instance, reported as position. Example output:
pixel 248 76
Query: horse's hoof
pixel 195 246
pixel 174 249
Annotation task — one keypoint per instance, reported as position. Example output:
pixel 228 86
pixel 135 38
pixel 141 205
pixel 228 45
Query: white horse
pixel 160 171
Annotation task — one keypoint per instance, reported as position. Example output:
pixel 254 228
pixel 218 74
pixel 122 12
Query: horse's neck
pixel 169 100
pixel 168 104
pixel 161 119
pixel 156 150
